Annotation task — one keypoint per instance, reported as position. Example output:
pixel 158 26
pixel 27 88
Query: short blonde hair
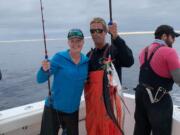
pixel 99 20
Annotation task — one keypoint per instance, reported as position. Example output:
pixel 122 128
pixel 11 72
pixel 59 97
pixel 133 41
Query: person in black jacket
pixel 121 56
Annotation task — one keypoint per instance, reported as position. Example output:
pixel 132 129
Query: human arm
pixel 173 63
pixel 176 76
pixel 48 68
pixel 120 51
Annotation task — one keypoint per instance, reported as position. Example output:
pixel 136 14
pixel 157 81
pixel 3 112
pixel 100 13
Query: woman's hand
pixel 45 65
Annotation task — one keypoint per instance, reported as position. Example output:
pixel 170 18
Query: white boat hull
pixel 25 120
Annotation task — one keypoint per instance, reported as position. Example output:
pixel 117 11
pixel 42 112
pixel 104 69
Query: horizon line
pixel 87 37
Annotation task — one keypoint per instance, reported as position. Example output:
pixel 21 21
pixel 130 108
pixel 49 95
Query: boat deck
pixel 25 120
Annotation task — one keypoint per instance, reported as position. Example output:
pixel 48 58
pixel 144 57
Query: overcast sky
pixel 20 19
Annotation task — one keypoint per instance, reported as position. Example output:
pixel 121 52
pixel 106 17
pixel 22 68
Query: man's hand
pixel 112 29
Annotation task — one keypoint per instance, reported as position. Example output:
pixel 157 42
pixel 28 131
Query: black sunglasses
pixel 92 31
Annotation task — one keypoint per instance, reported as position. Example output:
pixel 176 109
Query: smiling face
pixel 76 44
pixel 98 34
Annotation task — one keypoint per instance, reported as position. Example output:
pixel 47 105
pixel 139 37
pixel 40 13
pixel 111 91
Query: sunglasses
pixel 92 31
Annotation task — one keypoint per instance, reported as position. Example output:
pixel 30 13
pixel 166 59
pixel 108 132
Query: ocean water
pixel 20 61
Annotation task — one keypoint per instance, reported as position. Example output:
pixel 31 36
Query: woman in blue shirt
pixel 69 69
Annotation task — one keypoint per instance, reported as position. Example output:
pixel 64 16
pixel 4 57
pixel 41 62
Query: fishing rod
pixel 45 47
pixel 110 11
pixel 46 58
pixel 111 114
pixel 110 18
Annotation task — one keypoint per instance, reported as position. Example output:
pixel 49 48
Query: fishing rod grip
pixel 46 57
pixel 110 22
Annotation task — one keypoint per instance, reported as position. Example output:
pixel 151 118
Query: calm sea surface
pixel 19 61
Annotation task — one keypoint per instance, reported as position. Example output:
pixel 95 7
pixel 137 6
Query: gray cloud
pixel 21 18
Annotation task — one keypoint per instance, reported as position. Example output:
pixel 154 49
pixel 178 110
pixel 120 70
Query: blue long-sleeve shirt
pixel 68 83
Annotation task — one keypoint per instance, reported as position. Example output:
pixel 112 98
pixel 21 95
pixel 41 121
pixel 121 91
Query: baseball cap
pixel 75 33
pixel 166 29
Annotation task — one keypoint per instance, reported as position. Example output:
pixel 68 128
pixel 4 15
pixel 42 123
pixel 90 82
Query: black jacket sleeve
pixel 121 53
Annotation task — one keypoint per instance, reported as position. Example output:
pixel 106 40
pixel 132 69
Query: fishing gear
pixel 110 17
pixel 45 47
pixel 110 12
pixel 106 92
pixel 46 58
pixel 107 101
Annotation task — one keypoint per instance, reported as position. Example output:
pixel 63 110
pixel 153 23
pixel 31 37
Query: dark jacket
pixel 121 54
